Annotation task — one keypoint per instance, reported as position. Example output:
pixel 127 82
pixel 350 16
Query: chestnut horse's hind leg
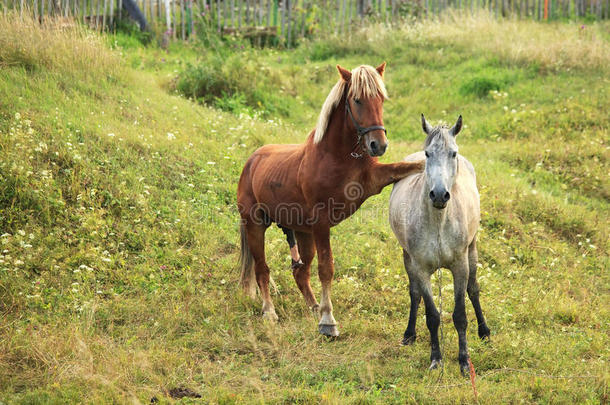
pixel 302 273
pixel 256 242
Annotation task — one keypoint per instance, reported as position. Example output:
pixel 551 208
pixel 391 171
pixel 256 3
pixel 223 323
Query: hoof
pixel 328 330
pixel 435 364
pixel 465 369
pixel 270 316
pixel 408 340
pixel 484 331
pixel 296 264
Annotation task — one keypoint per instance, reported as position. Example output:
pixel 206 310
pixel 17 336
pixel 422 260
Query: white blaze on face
pixel 441 162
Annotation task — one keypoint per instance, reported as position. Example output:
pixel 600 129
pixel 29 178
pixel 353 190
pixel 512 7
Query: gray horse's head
pixel 441 160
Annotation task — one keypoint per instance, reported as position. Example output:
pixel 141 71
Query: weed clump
pixel 479 86
pixel 236 84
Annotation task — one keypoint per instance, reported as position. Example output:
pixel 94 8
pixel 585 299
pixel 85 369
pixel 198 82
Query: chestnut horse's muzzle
pixel 376 146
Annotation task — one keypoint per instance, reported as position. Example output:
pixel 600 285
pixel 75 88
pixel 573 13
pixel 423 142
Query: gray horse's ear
pixel 457 127
pixel 425 126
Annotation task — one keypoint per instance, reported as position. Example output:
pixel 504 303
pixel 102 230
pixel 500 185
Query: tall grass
pixel 551 45
pixel 58 45
pixel 554 46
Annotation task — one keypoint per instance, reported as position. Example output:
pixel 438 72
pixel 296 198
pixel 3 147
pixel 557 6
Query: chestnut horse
pixel 309 188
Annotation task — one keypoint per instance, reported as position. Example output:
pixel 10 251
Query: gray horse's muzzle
pixel 439 197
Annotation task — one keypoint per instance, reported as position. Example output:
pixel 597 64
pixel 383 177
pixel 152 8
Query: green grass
pixel 118 271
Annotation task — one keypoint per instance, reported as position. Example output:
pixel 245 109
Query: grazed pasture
pixel 118 271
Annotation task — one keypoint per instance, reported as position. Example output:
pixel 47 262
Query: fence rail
pixel 285 21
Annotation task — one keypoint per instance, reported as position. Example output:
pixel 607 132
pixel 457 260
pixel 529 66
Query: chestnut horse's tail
pixel 248 277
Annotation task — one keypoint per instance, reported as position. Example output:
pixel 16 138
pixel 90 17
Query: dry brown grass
pixel 552 46
pixel 57 44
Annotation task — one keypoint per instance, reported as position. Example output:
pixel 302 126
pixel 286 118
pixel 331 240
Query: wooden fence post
pixel 282 13
pixel 182 20
pixel 168 18
pixel 269 13
pixel 304 18
pixel 218 16
pixel 289 23
pixel 174 18
pixel 239 14
pixel 232 13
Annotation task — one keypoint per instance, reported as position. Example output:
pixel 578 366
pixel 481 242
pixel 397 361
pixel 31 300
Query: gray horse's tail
pixel 248 278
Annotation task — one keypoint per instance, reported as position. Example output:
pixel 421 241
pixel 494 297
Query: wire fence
pixel 286 21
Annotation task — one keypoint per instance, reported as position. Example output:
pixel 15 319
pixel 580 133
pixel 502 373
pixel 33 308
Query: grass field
pixel 118 270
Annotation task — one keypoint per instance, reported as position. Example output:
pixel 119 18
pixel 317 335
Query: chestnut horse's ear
pixel 345 74
pixel 381 69
pixel 425 126
pixel 457 127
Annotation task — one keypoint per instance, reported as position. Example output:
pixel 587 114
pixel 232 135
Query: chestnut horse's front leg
pixel 385 174
pixel 321 233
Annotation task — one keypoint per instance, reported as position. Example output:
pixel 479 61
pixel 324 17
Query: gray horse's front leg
pixel 415 295
pixel 460 281
pixel 433 318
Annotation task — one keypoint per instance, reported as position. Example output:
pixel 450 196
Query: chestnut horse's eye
pixel 357 101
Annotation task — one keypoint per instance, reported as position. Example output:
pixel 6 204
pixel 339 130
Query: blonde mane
pixel 366 82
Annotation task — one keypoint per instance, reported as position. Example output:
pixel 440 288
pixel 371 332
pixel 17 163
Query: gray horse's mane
pixel 436 132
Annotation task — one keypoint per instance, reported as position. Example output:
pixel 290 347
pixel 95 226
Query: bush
pixel 480 86
pixel 235 83
pixel 204 81
pixel 335 47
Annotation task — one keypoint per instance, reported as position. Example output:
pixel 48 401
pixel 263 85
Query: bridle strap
pixel 361 130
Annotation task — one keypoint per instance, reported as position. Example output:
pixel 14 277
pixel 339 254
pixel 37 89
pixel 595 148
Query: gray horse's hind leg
pixel 473 290
pixel 409 336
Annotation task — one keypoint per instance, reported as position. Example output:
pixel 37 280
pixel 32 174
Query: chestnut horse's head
pixel 364 94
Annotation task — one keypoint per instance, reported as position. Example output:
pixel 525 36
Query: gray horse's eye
pixel 453 154
pixel 427 154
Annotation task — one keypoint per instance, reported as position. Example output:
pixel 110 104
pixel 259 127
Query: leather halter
pixel 361 130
